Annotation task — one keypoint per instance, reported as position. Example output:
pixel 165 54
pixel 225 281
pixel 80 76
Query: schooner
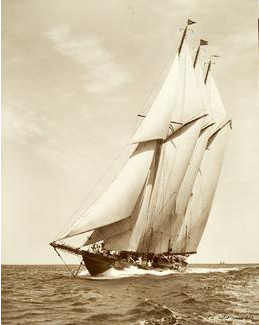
pixel 154 213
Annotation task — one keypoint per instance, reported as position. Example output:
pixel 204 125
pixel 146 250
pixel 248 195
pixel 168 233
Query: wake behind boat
pixel 154 213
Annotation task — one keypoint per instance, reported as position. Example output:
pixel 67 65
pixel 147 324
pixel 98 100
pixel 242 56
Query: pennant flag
pixel 190 22
pixel 203 42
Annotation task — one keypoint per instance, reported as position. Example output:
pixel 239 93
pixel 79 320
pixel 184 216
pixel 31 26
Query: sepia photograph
pixel 129 162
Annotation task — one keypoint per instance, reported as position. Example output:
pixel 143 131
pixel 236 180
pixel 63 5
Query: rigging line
pixel 70 221
pixel 81 263
pixel 64 262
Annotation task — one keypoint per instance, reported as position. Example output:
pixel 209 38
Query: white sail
pixel 217 110
pixel 153 210
pixel 174 160
pixel 178 93
pixel 131 239
pixel 155 124
pixel 215 103
pixel 160 192
pixel 209 120
pixel 124 234
pixel 109 231
pixel 119 200
pixel 179 99
pixel 202 196
pixel 185 189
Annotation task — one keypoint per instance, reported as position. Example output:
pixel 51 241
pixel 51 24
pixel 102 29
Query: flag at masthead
pixel 189 22
pixel 202 42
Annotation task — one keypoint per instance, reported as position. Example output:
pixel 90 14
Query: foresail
pixel 119 200
pixel 202 195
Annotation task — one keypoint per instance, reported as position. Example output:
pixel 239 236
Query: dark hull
pixel 97 264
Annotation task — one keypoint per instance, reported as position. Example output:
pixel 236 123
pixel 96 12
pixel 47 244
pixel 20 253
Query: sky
pixel 74 77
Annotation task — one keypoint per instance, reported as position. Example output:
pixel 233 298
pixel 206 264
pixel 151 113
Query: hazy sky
pixel 74 76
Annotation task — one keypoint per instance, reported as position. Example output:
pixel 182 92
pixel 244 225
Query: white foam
pixel 134 271
pixel 125 273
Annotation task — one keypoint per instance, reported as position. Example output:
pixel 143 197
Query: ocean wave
pixel 204 294
pixel 223 318
pixel 211 270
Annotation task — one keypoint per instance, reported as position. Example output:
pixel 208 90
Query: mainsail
pixel 161 199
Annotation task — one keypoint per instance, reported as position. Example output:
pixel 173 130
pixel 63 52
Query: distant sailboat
pixel 154 213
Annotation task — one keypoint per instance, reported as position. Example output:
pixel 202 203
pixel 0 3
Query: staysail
pixel 119 200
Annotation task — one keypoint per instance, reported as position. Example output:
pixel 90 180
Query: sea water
pixel 204 294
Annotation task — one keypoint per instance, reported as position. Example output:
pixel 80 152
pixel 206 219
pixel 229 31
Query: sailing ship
pixel 154 213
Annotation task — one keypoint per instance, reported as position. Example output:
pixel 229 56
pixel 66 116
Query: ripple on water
pixel 48 295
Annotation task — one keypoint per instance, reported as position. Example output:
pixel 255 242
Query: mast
pixel 207 72
pixel 209 68
pixel 202 42
pixel 189 22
